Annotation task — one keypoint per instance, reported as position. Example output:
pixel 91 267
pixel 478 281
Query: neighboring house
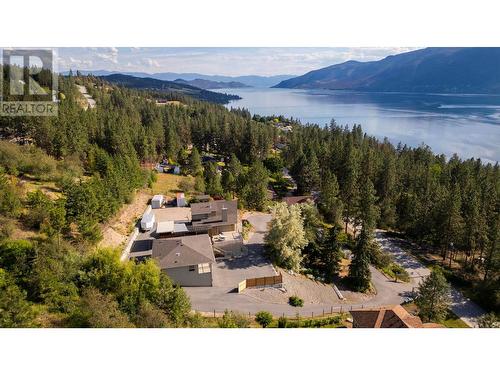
pixel 188 261
pixel 298 199
pixel 387 317
pixel 214 217
pixel 271 194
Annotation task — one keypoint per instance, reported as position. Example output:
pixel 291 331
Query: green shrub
pixel 282 322
pixel 264 318
pixel 400 273
pixel 296 301
pixel 232 319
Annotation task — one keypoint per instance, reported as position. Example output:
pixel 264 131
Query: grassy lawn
pixel 168 184
pixel 451 321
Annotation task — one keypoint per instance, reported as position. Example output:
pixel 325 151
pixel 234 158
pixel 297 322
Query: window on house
pixel 204 268
pixel 192 268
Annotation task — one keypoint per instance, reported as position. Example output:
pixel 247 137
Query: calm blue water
pixel 468 125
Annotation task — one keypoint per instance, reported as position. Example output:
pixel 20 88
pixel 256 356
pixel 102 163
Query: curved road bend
pixel 463 307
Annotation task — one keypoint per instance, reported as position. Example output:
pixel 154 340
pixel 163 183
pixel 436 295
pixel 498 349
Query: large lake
pixel 468 125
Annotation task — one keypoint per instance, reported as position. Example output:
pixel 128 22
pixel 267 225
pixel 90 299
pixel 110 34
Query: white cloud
pixel 223 61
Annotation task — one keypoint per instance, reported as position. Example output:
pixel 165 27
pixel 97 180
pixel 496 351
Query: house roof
pixel 165 227
pixel 213 210
pixel 183 251
pixel 394 316
pixel 298 199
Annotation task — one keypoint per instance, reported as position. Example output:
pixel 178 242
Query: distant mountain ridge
pixel 436 70
pixel 211 85
pixel 168 87
pixel 249 80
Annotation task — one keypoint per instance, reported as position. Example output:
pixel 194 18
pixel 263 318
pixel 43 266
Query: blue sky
pixel 223 61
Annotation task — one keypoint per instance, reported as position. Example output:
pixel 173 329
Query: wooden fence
pixel 260 282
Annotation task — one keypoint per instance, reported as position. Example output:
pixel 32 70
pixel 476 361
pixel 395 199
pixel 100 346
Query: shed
pixel 180 199
pixel 157 201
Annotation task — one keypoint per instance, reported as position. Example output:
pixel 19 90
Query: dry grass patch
pixel 168 184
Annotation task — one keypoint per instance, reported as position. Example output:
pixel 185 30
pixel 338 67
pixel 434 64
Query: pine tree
pixel 195 167
pixel 349 184
pixel 433 298
pixel 450 221
pixel 199 184
pixel 368 211
pixel 330 202
pixel 331 253
pixel 213 184
pixel 359 269
pixel 228 182
pixel 253 187
pixel 306 172
pixel 387 190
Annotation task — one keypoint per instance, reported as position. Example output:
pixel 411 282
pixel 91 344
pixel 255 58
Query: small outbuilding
pixel 180 200
pixel 157 201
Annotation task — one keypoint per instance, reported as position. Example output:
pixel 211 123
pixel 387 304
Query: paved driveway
pixel 463 307
pixel 228 274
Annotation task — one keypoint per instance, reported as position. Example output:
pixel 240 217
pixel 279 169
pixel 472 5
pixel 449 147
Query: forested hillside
pixel 74 172
pixel 450 207
pixel 89 162
pixel 166 87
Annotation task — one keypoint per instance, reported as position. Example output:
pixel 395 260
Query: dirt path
pixel 116 231
pixel 90 101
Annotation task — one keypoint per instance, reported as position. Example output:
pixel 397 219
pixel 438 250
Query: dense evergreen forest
pixel 94 157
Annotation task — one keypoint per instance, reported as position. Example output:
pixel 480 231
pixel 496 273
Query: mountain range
pixel 210 85
pixel 432 70
pixel 248 80
pixel 158 85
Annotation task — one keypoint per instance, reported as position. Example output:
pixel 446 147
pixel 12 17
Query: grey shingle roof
pixel 183 251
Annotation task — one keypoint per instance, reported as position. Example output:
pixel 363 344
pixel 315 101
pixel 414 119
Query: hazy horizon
pixel 216 61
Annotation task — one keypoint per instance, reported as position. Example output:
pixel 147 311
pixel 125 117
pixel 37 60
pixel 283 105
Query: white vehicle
pixel 148 220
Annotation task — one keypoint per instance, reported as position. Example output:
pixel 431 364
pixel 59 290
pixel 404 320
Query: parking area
pixel 172 214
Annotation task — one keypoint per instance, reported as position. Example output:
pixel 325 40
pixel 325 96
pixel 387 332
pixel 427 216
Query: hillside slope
pixel 210 85
pixel 445 70
pixel 168 87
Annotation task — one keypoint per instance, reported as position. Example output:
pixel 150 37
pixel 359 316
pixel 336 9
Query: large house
pixel 187 260
pixel 214 217
pixel 387 317
pixel 181 243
